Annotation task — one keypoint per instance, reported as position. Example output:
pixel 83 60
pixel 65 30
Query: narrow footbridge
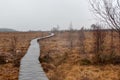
pixel 30 67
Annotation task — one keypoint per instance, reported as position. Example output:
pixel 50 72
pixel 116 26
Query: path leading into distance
pixel 30 67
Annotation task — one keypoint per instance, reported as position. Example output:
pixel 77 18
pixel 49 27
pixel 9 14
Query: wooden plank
pixel 30 68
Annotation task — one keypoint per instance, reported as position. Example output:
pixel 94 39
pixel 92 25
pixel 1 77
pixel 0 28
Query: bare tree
pixel 82 40
pixel 70 37
pixel 99 38
pixel 108 11
pixel 112 43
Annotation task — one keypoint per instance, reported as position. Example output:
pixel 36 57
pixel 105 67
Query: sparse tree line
pixel 99 43
pixel 99 37
pixel 108 13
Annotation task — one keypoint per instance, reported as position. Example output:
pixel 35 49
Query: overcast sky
pixel 44 14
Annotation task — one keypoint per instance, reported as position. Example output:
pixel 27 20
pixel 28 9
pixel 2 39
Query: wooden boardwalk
pixel 30 67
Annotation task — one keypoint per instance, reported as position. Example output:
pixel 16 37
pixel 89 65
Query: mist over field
pixel 44 14
pixel 59 39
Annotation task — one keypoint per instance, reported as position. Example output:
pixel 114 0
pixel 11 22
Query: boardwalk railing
pixel 30 67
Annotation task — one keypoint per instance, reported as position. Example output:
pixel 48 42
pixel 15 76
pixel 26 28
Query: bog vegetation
pixel 82 54
pixel 13 46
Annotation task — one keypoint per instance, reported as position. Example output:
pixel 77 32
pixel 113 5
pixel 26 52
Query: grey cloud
pixel 43 14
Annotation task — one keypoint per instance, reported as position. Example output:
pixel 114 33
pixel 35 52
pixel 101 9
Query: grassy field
pixel 62 63
pixel 13 46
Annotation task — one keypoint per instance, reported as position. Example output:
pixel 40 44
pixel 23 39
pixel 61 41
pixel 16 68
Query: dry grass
pixel 8 70
pixel 60 63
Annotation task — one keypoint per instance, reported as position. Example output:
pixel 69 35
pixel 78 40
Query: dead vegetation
pixel 13 46
pixel 97 63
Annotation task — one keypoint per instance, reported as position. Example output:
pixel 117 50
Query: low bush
pixel 17 59
pixel 85 61
pixel 107 59
pixel 16 62
pixel 2 59
pixel 45 59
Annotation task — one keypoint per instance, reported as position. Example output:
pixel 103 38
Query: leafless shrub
pixel 112 43
pixel 108 11
pixel 108 59
pixel 13 44
pixel 70 37
pixel 82 40
pixel 16 57
pixel 99 40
